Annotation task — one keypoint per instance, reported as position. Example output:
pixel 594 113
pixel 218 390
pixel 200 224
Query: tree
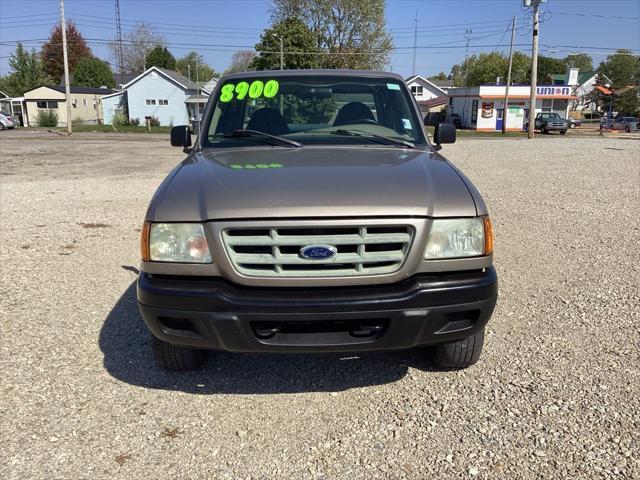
pixel 26 72
pixel 160 57
pixel 547 67
pixel 622 69
pixel 192 62
pixel 520 68
pixel 579 60
pixel 136 44
pixel 241 61
pixel 93 72
pixel 52 55
pixel 296 37
pixel 487 67
pixel 441 76
pixel 354 30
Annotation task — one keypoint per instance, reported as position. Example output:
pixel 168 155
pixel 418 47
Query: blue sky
pixel 593 26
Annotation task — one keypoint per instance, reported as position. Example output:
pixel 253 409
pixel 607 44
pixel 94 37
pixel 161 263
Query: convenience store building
pixel 482 108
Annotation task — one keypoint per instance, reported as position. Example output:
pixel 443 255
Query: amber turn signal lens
pixel 488 236
pixel 144 241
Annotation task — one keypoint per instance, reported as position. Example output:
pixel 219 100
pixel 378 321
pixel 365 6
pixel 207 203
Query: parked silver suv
pixel 313 215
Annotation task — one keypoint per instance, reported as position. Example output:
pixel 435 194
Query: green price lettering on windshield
pixel 271 88
pixel 256 89
pixel 241 89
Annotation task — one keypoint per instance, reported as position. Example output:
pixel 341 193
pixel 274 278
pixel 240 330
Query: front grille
pixel 360 250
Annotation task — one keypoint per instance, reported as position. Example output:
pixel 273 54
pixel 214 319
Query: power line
pixel 595 15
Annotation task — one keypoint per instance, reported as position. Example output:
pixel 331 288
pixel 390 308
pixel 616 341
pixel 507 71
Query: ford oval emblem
pixel 318 252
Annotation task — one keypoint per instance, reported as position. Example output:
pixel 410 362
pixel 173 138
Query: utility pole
pixel 279 37
pixel 415 39
pixel 119 42
pixel 467 34
pixel 506 91
pixel 281 54
pixel 534 65
pixel 67 89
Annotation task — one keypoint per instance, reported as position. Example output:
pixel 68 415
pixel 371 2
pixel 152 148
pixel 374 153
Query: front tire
pixel 572 125
pixel 175 358
pixel 544 130
pixel 460 354
pixel 627 129
pixel 563 132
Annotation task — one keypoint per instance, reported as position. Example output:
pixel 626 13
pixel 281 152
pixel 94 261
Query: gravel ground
pixel 556 393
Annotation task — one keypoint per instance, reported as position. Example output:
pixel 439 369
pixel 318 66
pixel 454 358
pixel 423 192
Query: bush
pixel 47 118
pixel 119 120
pixel 134 121
pixel 76 122
pixel 154 122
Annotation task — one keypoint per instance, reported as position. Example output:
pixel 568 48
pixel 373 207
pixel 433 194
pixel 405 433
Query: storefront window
pixel 474 112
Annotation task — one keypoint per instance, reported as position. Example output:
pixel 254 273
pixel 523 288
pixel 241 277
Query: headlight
pixel 459 237
pixel 175 242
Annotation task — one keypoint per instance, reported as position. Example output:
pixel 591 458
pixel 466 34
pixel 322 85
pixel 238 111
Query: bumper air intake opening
pixel 320 332
pixel 462 320
pixel 178 326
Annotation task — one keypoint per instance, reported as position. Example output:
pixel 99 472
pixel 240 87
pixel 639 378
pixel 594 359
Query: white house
pixel 482 108
pixel 159 93
pixel 584 83
pixel 429 96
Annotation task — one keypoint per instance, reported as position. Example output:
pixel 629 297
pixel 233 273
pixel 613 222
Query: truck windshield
pixel 314 109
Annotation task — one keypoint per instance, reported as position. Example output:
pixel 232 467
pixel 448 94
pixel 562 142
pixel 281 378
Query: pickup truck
pixel 548 122
pixel 313 214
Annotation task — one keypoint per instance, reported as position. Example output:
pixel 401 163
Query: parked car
pixel 628 124
pixel 328 227
pixel 574 122
pixel 551 122
pixel 6 121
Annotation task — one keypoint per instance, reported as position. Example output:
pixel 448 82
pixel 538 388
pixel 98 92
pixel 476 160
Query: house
pixel 583 82
pixel 14 106
pixel 429 96
pixel 482 108
pixel 85 104
pixel 159 93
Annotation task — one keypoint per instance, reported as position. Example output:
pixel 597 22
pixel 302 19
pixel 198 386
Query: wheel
pixel 544 130
pixel 1 126
pixel 460 354
pixel 563 132
pixel 174 358
pixel 627 129
pixel 572 125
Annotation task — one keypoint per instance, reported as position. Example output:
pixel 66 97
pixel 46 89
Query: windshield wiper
pixel 266 136
pixel 373 136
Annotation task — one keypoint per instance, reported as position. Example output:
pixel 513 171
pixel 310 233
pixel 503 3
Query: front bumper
pixel 213 313
pixel 555 127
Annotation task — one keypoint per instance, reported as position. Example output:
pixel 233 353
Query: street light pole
pixel 67 88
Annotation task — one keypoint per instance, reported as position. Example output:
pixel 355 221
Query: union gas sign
pixel 553 91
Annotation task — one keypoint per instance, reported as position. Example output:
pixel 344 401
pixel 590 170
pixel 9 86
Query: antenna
pixel 119 42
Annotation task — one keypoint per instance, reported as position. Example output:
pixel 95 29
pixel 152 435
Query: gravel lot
pixel 555 395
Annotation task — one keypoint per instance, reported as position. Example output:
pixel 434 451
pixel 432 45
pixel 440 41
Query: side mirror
pixel 181 136
pixel 444 133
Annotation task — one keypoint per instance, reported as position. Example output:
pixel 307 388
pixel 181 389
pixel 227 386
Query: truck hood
pixel 311 182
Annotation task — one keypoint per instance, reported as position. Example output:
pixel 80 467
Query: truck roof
pixel 323 72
